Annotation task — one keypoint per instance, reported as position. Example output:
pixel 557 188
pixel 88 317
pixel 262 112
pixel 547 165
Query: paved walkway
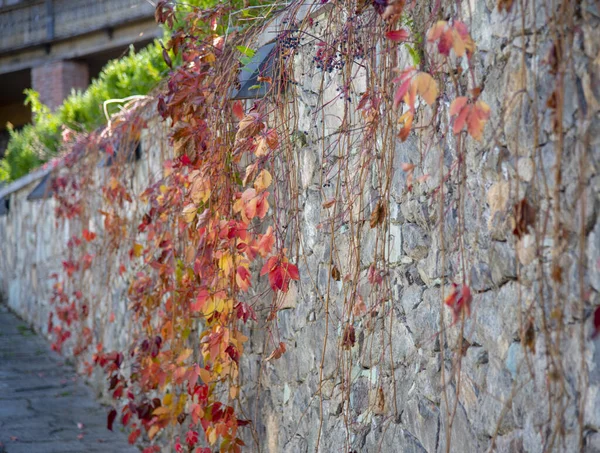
pixel 44 406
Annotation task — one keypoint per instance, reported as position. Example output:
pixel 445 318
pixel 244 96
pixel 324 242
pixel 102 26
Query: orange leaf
pixel 406 121
pixel 277 353
pixel 474 116
pixel 238 110
pixel 204 375
pixel 329 203
pixel 88 235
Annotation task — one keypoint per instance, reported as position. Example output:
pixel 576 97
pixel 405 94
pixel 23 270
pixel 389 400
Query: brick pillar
pixel 54 81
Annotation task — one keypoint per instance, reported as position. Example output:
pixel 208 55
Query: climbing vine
pixel 217 251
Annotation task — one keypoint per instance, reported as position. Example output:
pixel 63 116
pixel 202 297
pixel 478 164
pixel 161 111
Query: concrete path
pixel 44 406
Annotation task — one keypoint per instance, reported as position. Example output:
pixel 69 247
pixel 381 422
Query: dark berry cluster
pixel 290 39
pixel 327 59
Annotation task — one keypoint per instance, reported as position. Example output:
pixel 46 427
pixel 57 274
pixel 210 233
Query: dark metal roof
pixel 43 190
pixel 263 64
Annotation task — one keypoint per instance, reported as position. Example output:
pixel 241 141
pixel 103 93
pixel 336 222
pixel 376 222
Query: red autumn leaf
pixel 238 110
pixel 88 235
pixel 473 115
pixel 448 37
pixel 185 160
pixel 397 35
pixel 112 415
pixel 242 278
pixel 201 300
pixel 280 273
pixel 374 276
pixel 266 242
pixel 191 438
pixel 459 301
pixel 70 267
pixel 178 447
pixel 596 330
pixel 413 83
pixel 133 436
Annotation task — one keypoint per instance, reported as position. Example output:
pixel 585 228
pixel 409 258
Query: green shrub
pixel 34 144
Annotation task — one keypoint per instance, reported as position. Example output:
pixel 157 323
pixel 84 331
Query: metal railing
pixel 37 22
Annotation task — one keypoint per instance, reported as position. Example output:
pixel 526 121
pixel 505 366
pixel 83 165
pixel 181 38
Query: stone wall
pixel 521 373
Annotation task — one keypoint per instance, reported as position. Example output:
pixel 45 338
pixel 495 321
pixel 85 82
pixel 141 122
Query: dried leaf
pixel 335 273
pixel 349 338
pixel 529 338
pixel 378 214
pixel 380 407
pixel 524 218
pixel 329 203
pixel 250 126
pixel 277 353
pixel 359 308
pixel 505 5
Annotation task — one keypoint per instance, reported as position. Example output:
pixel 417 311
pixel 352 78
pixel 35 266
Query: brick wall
pixel 54 81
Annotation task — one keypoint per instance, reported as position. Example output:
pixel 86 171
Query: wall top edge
pixel 24 181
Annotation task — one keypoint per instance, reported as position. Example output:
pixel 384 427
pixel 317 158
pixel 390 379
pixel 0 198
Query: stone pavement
pixel 44 406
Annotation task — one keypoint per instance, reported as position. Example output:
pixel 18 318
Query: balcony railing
pixel 32 23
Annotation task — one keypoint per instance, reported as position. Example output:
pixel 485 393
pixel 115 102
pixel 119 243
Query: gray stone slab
pixel 44 406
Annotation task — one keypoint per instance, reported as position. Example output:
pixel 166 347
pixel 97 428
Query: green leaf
pixel 414 55
pixel 246 51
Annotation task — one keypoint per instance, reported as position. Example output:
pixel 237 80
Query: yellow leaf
pixel 184 355
pixel 152 431
pixel 263 180
pixel 204 375
pixel 226 262
pixel 211 434
pixel 209 58
pixel 200 190
pixel 262 148
pixel 161 410
pixel 189 212
pixel 426 87
pixel 137 250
